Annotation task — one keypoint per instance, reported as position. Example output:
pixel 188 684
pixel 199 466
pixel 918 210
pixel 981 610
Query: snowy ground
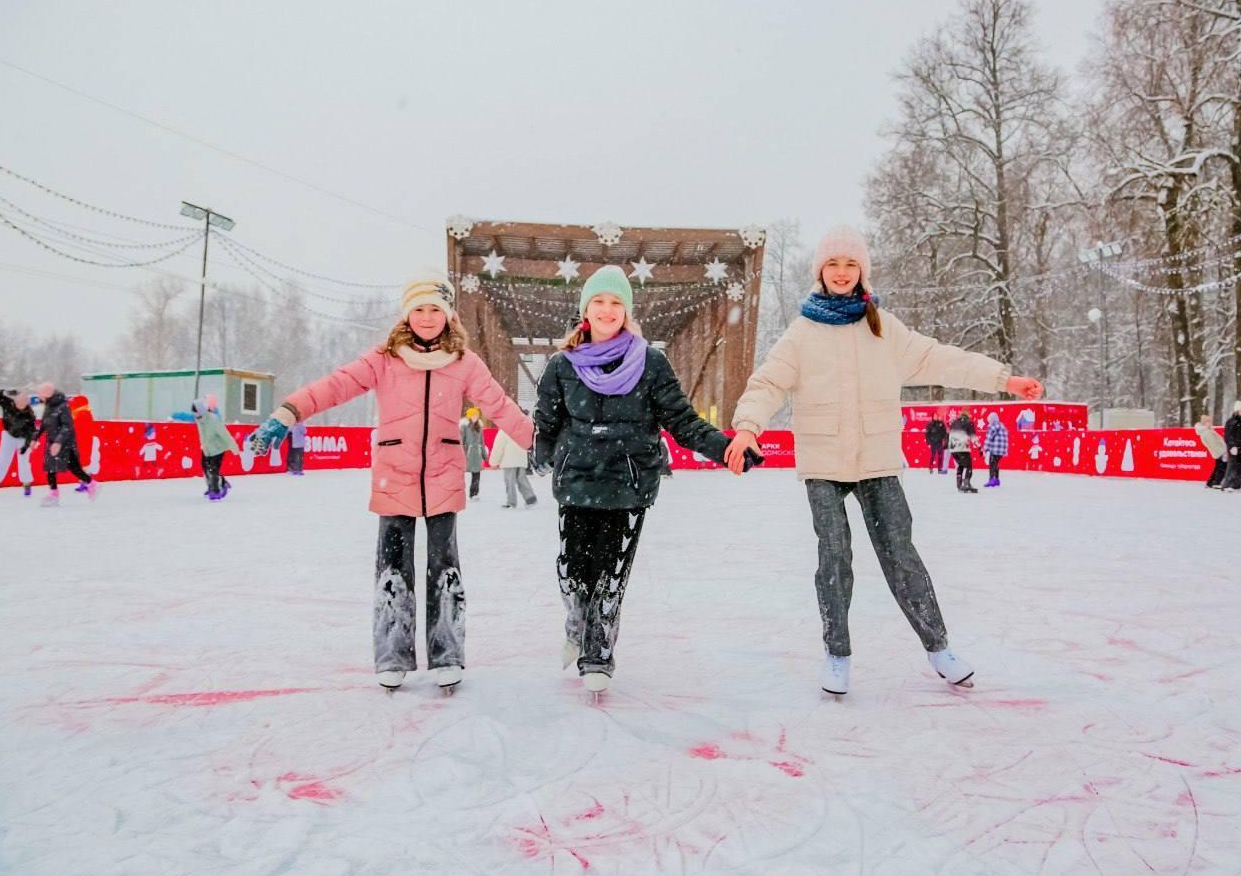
pixel 186 689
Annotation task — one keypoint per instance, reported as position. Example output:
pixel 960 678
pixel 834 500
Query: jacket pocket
pixel 817 422
pixel 879 417
pixel 391 442
pixel 633 471
pixel 451 440
pixel 881 438
pixel 560 468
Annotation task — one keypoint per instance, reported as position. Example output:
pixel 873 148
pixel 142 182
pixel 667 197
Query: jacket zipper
pixel 426 427
pixel 563 463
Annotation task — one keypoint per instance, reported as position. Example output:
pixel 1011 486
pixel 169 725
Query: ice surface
pixel 187 688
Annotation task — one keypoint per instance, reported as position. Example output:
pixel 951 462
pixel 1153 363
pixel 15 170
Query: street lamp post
pixel 210 218
pixel 1095 257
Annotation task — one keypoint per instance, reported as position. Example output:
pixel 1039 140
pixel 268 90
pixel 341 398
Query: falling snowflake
pixel 493 264
pixel 567 269
pixel 459 226
pixel 470 284
pixel 717 271
pixel 609 233
pixel 735 291
pixel 642 270
pixel 753 236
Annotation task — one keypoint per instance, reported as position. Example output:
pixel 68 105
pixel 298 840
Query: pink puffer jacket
pixel 418 464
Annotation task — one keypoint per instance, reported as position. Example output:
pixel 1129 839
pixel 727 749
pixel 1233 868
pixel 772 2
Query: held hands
pixel 1024 387
pixel 262 438
pixel 743 445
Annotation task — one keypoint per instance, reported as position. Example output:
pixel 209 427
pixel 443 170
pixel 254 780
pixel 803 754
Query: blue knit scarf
pixel 837 309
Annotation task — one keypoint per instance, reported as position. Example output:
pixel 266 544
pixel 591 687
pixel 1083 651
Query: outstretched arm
pixel 677 415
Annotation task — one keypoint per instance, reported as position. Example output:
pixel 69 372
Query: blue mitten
pixel 262 438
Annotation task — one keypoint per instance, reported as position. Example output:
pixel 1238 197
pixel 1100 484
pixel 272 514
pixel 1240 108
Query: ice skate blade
pixel 965 682
pixel 835 693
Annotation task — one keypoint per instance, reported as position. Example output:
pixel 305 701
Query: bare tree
pixel 1161 113
pixel 159 336
pixel 978 104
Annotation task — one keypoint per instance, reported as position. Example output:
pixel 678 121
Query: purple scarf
pixel 588 361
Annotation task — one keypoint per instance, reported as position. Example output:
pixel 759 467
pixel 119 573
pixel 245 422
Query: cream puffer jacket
pixel 846 387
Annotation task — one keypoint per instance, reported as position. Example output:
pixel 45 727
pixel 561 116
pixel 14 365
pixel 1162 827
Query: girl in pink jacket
pixel 421 376
pixel 844 362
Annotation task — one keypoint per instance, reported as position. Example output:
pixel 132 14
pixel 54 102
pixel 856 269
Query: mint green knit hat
pixel 608 280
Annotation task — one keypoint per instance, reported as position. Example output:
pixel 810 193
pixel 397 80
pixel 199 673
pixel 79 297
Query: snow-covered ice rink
pixel 187 689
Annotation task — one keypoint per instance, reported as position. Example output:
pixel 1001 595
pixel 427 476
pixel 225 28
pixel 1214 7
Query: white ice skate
pixel 569 653
pixel 448 677
pixel 391 678
pixel 835 675
pixel 596 682
pixel 951 668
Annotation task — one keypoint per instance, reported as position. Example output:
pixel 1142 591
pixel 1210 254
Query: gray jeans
pixel 890 526
pixel 515 479
pixel 395 608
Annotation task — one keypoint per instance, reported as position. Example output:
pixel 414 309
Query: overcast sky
pixel 708 114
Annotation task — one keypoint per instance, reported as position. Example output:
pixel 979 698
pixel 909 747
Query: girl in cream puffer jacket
pixel 844 362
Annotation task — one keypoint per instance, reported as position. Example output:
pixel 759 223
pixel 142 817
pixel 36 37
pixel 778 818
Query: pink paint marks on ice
pixel 208 698
pixel 309 788
pixel 537 843
pixel 1226 771
pixel 789 769
pixel 707 751
pixel 1028 705
pixel 1167 759
pixel 593 812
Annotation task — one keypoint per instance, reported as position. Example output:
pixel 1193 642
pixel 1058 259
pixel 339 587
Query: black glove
pixel 752 459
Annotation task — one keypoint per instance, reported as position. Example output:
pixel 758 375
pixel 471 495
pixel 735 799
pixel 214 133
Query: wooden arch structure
pixel 696 294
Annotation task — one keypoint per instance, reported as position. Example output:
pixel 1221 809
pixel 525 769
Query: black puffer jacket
pixel 604 449
pixel 1232 434
pixel 57 425
pixel 18 422
pixel 936 433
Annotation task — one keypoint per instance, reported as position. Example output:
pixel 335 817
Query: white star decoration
pixel 641 270
pixel 567 269
pixel 717 271
pixel 735 292
pixel 493 264
pixel 609 233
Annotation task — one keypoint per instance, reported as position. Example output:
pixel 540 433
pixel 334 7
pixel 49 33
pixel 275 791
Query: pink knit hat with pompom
pixel 842 241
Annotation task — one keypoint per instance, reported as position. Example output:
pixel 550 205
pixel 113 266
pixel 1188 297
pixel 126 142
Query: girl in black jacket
pixel 61 451
pixel 602 402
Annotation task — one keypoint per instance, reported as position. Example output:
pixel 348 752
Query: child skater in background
pixel 602 402
pixel 421 376
pixel 844 361
pixel 995 448
pixel 215 440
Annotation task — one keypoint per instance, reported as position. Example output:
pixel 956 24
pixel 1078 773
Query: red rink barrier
pixel 117 450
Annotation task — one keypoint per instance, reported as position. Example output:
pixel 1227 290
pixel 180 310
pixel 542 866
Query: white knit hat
pixel 429 290
pixel 842 241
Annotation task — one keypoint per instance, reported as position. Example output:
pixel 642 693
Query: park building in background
pixel 153 396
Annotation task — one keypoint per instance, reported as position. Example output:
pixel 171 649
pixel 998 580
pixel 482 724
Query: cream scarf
pixel 425 361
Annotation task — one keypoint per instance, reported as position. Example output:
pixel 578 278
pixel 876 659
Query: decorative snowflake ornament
pixel 753 236
pixel 470 284
pixel 493 264
pixel 609 233
pixel 735 291
pixel 717 271
pixel 459 226
pixel 641 270
pixel 567 269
